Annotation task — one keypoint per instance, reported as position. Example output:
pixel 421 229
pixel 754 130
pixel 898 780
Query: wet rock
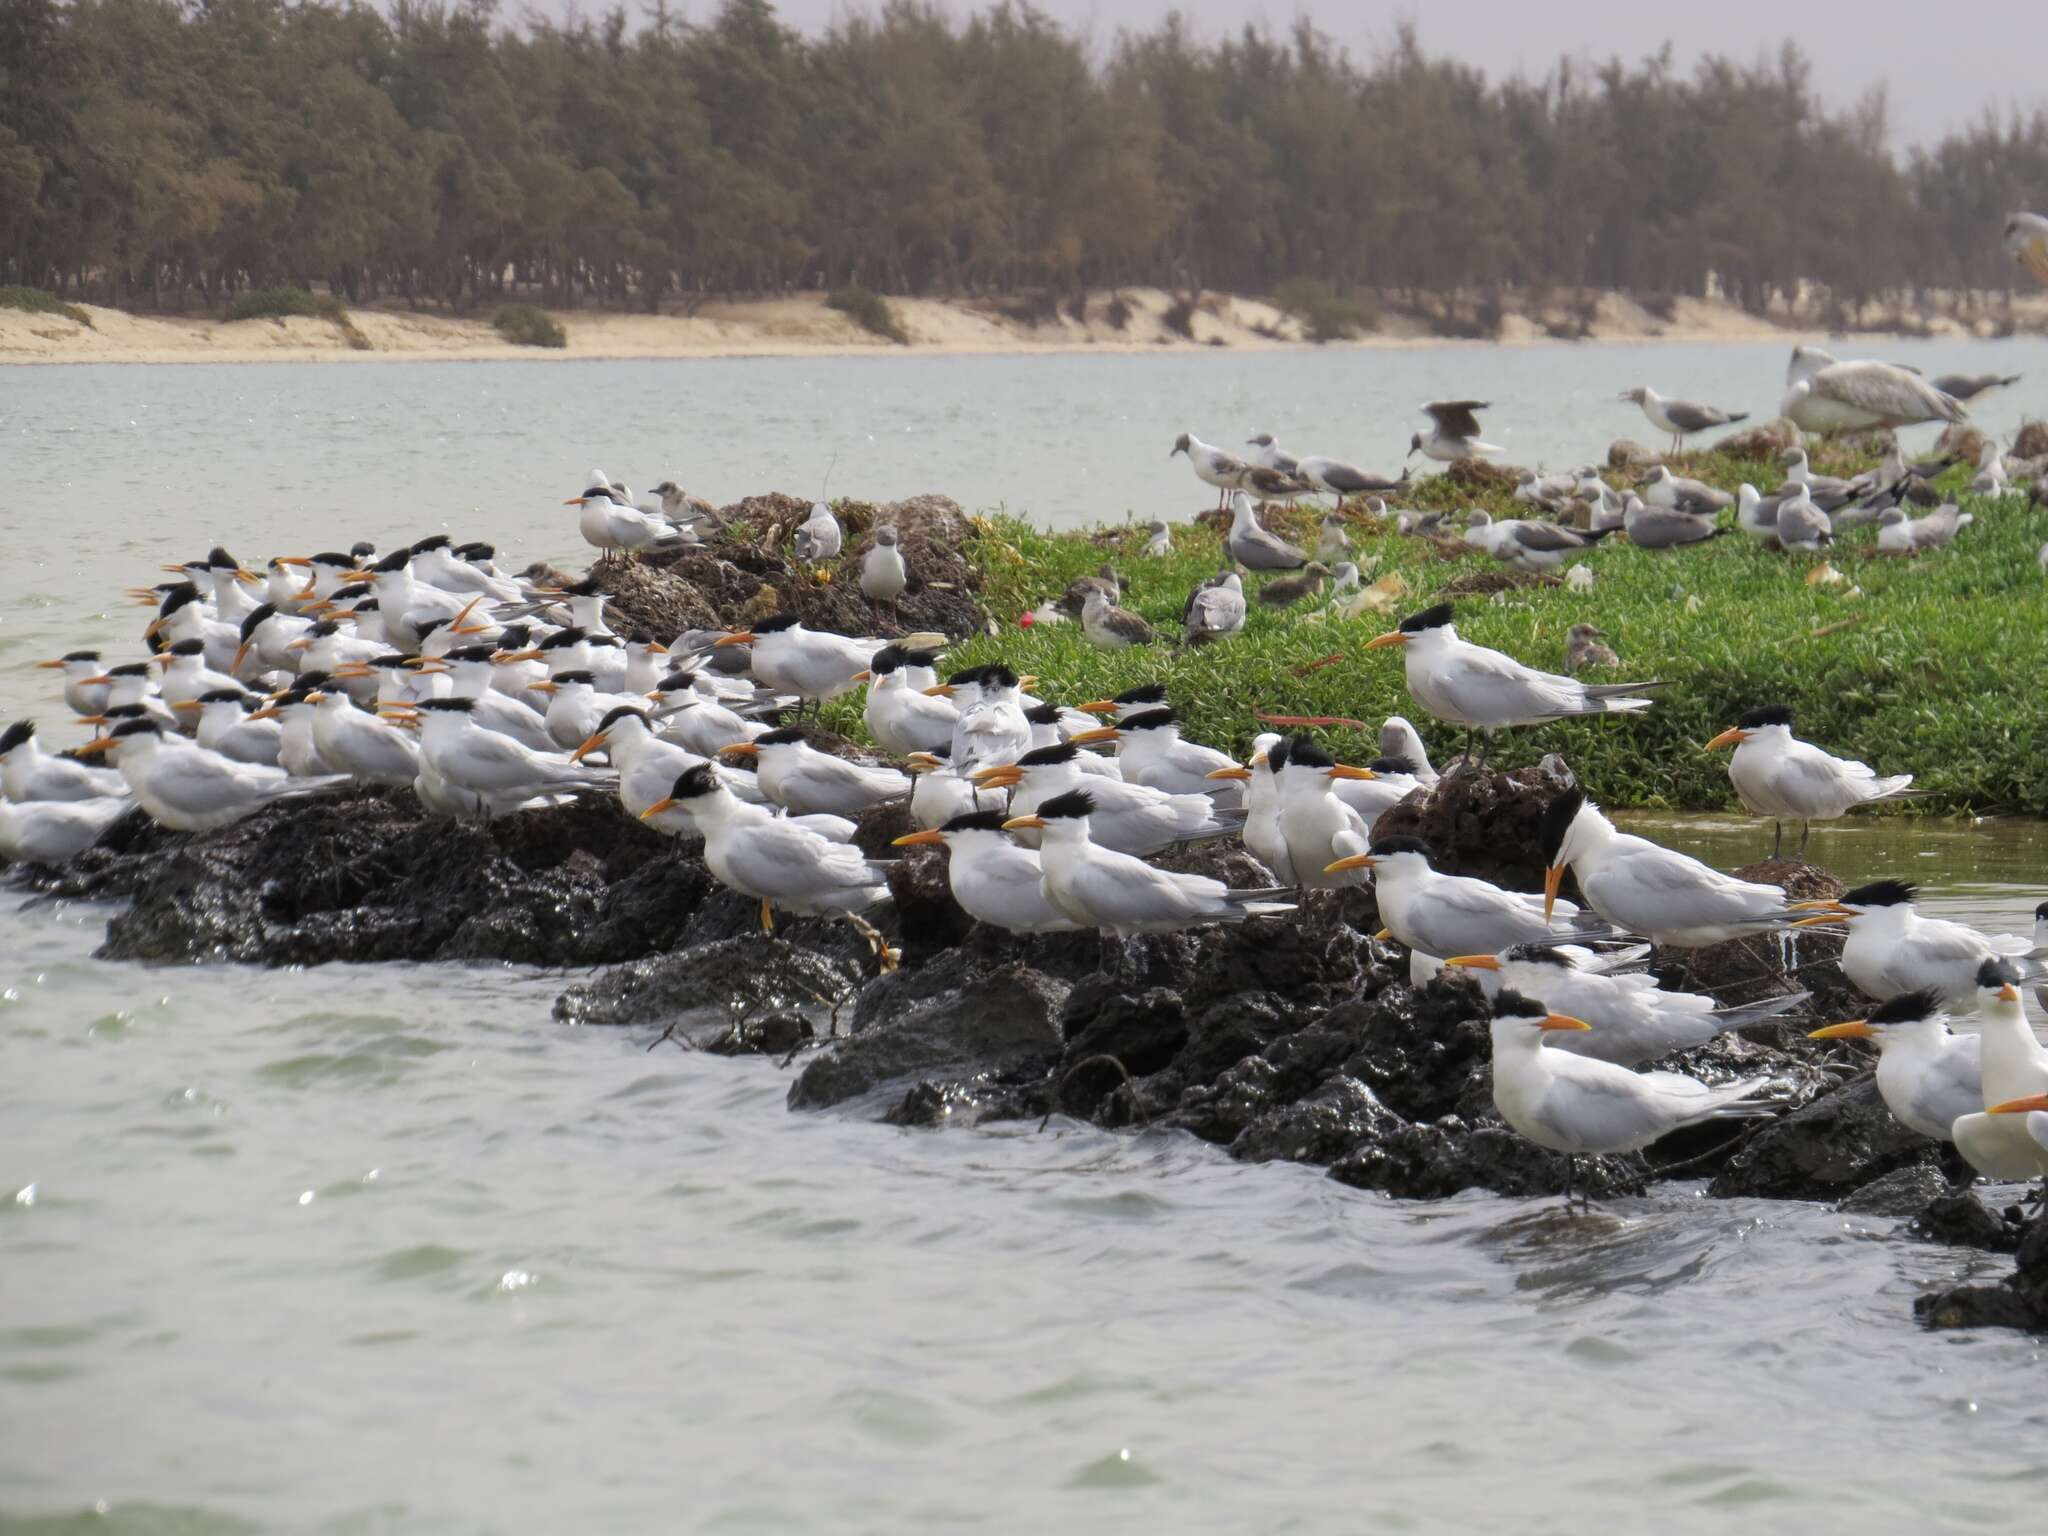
pixel 1330 1123
pixel 1219 1111
pixel 991 1020
pixel 1142 1030
pixel 1961 1219
pixel 928 919
pixel 776 1035
pixel 1436 1161
pixel 717 984
pixel 1426 1052
pixel 1230 1029
pixel 1901 1193
pixel 2020 1301
pixel 929 1104
pixel 1835 1144
pixel 1480 823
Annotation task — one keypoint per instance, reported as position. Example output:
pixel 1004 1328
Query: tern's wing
pixel 1119 891
pixel 1661 891
pixel 1482 684
pixel 791 865
pixel 1600 1106
pixel 1953 1084
pixel 1456 915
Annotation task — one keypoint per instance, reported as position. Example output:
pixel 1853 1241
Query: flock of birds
pixel 429 667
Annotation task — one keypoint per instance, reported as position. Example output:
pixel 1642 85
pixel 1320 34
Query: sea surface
pixel 366 1249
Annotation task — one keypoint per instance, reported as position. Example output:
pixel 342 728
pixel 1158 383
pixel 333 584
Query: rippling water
pixel 364 1249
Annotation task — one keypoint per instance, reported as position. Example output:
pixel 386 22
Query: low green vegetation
pixel 1932 666
pixel 297 304
pixel 1323 315
pixel 868 310
pixel 36 301
pixel 526 325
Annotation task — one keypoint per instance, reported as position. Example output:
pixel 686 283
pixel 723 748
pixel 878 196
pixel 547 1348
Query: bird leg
pixel 885 957
pixel 1805 831
pixel 1777 838
pixel 767 917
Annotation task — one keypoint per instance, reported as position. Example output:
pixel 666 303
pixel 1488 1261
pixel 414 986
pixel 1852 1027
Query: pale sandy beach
pixel 801 325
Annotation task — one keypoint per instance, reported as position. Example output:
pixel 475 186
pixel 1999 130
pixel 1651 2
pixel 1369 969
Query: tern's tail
pixel 1897 788
pixel 1746 1014
pixel 1260 903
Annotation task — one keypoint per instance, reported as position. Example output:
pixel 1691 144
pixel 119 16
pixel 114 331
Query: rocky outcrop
pixel 1835 1144
pixel 2019 1301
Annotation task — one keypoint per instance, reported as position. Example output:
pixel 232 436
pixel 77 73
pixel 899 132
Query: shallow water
pixel 386 1249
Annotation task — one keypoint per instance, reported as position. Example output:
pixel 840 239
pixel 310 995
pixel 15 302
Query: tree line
pixel 166 153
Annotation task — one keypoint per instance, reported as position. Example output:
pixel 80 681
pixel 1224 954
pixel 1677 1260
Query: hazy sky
pixel 1943 66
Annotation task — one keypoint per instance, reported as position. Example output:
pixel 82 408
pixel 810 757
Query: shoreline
pixel 801 326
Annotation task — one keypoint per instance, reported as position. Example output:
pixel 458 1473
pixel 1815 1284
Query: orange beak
pixel 1099 707
pixel 667 803
pixel 742 637
pixel 291 560
pixel 2008 993
pixel 1006 776
pixel 1562 1021
pixel 1349 861
pixel 940 691
pixel 98 678
pixel 241 655
pixel 51 666
pixel 1100 733
pixel 587 748
pixel 1475 962
pixel 1391 637
pixel 1229 773
pixel 575 501
pixel 1346 771
pixel 545 685
pixel 1823 921
pixel 1728 738
pixel 267 712
pixel 913 839
pixel 1553 877
pixel 861 676
pixel 1023 823
pixel 740 749
pixel 96 746
pixel 1855 1029
pixel 190 704
pixel 2032 1101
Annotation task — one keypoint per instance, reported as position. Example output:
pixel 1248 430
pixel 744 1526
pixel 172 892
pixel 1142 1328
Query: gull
pixel 1583 649
pixel 29 774
pixel 1286 591
pixel 1991 476
pixel 812 664
pixel 2026 237
pixel 776 860
pixel 189 789
pixel 1270 484
pixel 1680 418
pixel 1826 396
pixel 995 879
pixel 1525 545
pixel 2003 1141
pixel 694 718
pixel 1111 627
pixel 1548 491
pixel 1661 488
pixel 1130 818
pixel 1633 1019
pixel 1757 514
pixel 1454 434
pixel 1801 525
pixel 1968 386
pixel 1641 887
pixel 1344 481
pixel 54 832
pixel 902 717
pixel 1159 540
pixel 681 506
pixel 1398 738
pixel 819 536
pixel 1262 833
pixel 1667 527
pixel 1316 826
pixel 1575 1104
pixel 1333 539
pixel 1121 896
pixel 1891 948
pixel 1152 753
pixel 1928 1076
pixel 1899 534
pixel 487 764
pixel 804 781
pixel 360 744
pixel 1271 455
pixel 1251 546
pixel 1486 690
pixel 1214 609
pixel 883 574
pixel 227 726
pixel 82 694
pixel 1826 491
pixel 1441 914
pixel 1778 775
pixel 1211 464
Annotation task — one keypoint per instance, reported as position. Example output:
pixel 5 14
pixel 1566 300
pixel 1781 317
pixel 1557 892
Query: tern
pixel 2001 1141
pixel 804 781
pixel 1892 949
pixel 470 757
pixel 940 793
pixel 1575 1104
pixel 1152 753
pixel 1929 1076
pixel 1525 545
pixel 1642 887
pixel 812 664
pixel 883 573
pixel 55 832
pixel 1441 914
pixel 1454 434
pixel 647 764
pixel 1400 739
pixel 298 753
pixel 29 774
pixel 1251 546
pixel 1110 626
pixel 776 860
pixel 189 789
pixel 1130 818
pixel 360 744
pixel 267 633
pixel 1900 534
pixel 1343 480
pixel 898 713
pixel 995 879
pixel 82 695
pixel 1262 835
pixel 1121 896
pixel 1211 464
pixel 1316 826
pixel 819 536
pixel 1680 418
pixel 474 673
pixel 1052 726
pixel 2026 237
pixel 1826 396
pixel 227 726
pixel 993 729
pixel 1633 1019
pixel 610 523
pixel 1777 775
pixel 575 706
pixel 696 719
pixel 1214 609
pixel 1135 700
pixel 1486 690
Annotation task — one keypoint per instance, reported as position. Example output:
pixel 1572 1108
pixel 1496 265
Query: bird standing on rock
pixel 883 574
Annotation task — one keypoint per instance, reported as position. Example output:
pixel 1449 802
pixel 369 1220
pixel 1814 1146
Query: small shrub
pixel 1662 306
pixel 869 310
pixel 1180 314
pixel 281 304
pixel 37 302
pixel 1323 315
pixel 1077 308
pixel 525 325
pixel 1036 308
pixel 1118 313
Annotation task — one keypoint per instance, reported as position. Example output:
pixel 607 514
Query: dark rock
pixel 991 1020
pixel 928 1104
pixel 1903 1192
pixel 1961 1219
pixel 1480 823
pixel 928 919
pixel 778 1034
pixel 1434 1162
pixel 2020 1301
pixel 1220 1111
pixel 712 984
pixel 1328 1124
pixel 1835 1144
pixel 1426 1053
pixel 1228 1031
pixel 1143 1030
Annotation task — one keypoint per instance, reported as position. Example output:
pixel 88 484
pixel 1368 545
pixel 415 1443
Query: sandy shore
pixel 801 325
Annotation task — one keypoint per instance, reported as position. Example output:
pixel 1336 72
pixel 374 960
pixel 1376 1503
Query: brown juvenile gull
pixel 1111 627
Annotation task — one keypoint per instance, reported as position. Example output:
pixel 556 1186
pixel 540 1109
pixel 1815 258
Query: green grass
pixel 1936 668
pixel 37 302
pixel 524 325
pixel 870 311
